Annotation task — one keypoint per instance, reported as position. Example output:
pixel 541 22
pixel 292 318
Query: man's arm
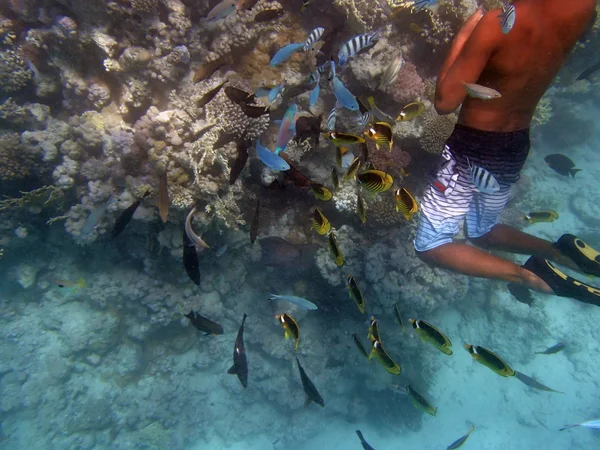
pixel 469 54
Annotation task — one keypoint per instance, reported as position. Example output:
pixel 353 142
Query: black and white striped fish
pixel 507 18
pixel 485 182
pixel 316 74
pixel 355 45
pixel 313 37
pixel 363 118
pixel 331 118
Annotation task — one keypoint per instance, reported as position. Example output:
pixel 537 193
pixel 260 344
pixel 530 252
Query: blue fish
pixel 270 159
pixel 221 10
pixel 263 91
pixel 314 95
pixel 342 94
pixel 273 93
pixel 507 18
pixel 284 53
pixel 355 45
pixel 287 129
pixel 420 5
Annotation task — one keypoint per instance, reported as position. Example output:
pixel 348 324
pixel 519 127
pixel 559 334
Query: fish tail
pixel 569 426
pixel 573 172
pixel 81 283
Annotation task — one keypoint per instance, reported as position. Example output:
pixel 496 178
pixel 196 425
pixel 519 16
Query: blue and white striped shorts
pixel 451 197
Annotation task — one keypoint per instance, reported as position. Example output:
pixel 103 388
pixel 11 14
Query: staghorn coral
pixel 436 130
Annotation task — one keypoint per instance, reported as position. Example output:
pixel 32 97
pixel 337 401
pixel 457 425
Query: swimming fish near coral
pixel 335 251
pixel 298 301
pixel 460 441
pixel 268 15
pixel 96 216
pixel 194 238
pixel 594 424
pixel 420 5
pixel 321 192
pixel 335 179
pixel 561 165
pixel 352 169
pixel 374 330
pixel 284 53
pixel 483 180
pixel 240 365
pixel 287 129
pixel 343 157
pixel 431 335
pixel 240 160
pixel 339 138
pixel 320 223
pixel 360 346
pixel 253 111
pixel 481 92
pixel 275 91
pixel 356 294
pixel 209 95
pixel 398 316
pixel 384 358
pixel 420 402
pixel 411 111
pixel 355 45
pixel 331 119
pixel 589 72
pixel 163 198
pixel 361 208
pixel 552 350
pixel 72 286
pixel 314 94
pixel 270 159
pixel 344 97
pixel 533 383
pixel 312 394
pixel 190 260
pixel 221 10
pixel 540 216
pixel 313 37
pixel 363 442
pixel 255 225
pixel 490 360
pixel 378 113
pixel 290 327
pixel 520 293
pixel 382 134
pixel 405 203
pixel 308 128
pixel 375 181
pixel 126 216
pixel 390 74
pixel 507 18
pixel 203 324
pixel 239 96
pixel 206 70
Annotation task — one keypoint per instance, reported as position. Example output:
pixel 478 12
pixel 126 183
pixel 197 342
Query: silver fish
pixel 197 240
pixel 481 92
pixel 313 37
pixel 507 18
pixel 221 10
pixel 589 424
pixel 95 217
pixel 355 45
pixel 331 119
pixel 298 301
pixel 391 73
pixel 482 179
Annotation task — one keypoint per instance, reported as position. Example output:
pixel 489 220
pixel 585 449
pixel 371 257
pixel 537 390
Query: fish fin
pixel 232 370
pixel 190 315
pixel 287 335
pixel 573 172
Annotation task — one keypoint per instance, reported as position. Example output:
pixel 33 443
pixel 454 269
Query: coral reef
pixel 436 130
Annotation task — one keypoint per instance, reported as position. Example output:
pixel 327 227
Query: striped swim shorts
pixel 451 197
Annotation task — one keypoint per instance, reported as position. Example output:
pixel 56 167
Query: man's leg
pixel 508 239
pixel 473 262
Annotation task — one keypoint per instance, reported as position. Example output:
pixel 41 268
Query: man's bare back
pixel 520 65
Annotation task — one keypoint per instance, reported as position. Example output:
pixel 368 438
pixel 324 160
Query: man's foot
pixel 562 284
pixel 586 258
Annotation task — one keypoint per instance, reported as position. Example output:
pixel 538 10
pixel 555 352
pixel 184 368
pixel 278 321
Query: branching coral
pixel 14 74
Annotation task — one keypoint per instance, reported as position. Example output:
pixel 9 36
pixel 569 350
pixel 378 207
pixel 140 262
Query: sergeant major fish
pixel 355 45
pixel 313 37
pixel 482 179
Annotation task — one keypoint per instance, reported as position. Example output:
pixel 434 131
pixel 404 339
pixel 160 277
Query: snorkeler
pixel 499 78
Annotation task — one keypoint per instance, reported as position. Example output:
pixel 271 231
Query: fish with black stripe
pixel 382 134
pixel 431 335
pixel 320 223
pixel 356 294
pixel 335 251
pixel 405 203
pixel 313 37
pixel 375 181
pixel 357 44
pixel 485 182
pixel 384 358
pixel 290 327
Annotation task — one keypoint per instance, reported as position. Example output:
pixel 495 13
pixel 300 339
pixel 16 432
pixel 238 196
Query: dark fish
pixel 420 402
pixel 205 70
pixel 360 347
pixel 223 140
pixel 460 441
pixel 294 176
pixel 268 14
pixel 190 259
pixel 561 165
pixel 309 388
pixel 520 293
pixel 533 383
pixel 253 111
pixel 203 324
pixel 246 4
pixel 206 98
pixel 277 252
pixel 126 216
pixel 365 151
pixel 240 365
pixel 237 95
pixel 255 223
pixel 588 72
pixel 398 316
pixel 552 350
pixel 363 442
pixel 309 128
pixel 240 161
